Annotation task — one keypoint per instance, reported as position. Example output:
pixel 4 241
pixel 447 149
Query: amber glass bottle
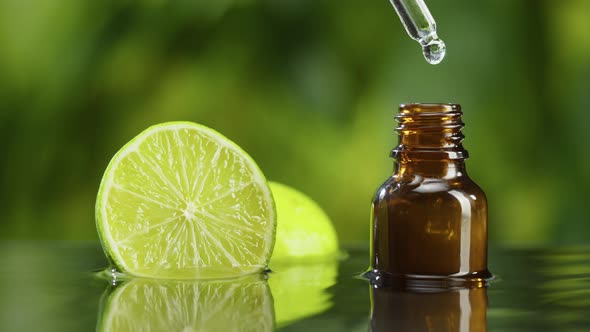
pixel 429 219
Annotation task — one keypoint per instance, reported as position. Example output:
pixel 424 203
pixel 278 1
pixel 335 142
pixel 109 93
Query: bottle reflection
pixel 169 305
pixel 432 310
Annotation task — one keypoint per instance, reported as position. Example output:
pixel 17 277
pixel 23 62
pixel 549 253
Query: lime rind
pixel 110 244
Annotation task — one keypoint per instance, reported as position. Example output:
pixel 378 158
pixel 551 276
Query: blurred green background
pixel 308 87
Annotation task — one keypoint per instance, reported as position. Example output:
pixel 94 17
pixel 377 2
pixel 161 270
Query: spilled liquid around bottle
pixel 419 283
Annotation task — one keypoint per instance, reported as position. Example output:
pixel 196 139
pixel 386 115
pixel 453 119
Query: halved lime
pixel 171 305
pixel 181 201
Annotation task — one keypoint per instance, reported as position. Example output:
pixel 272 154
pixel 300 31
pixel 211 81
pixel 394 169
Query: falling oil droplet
pixel 434 51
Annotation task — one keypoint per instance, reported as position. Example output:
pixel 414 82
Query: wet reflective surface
pixel 53 286
pixel 428 310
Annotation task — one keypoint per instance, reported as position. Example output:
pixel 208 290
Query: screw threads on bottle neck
pixel 429 132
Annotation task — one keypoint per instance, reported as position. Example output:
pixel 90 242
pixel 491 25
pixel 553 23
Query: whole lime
pixel 304 230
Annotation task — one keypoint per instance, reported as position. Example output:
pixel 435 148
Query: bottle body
pixel 429 219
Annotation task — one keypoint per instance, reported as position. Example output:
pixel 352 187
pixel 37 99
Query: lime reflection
pixel 243 304
pixel 299 291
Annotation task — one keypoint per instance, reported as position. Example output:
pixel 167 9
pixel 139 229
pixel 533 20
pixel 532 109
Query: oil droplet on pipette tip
pixel 434 51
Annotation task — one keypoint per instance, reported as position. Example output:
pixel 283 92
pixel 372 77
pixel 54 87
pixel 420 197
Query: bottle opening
pixel 429 108
pixel 429 131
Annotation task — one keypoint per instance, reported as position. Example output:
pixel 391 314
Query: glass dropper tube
pixel 421 27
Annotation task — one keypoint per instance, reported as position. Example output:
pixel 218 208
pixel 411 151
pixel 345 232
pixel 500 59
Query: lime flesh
pixel 171 305
pixel 181 201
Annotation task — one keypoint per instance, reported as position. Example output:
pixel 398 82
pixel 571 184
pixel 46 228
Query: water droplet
pixel 113 276
pixel 434 51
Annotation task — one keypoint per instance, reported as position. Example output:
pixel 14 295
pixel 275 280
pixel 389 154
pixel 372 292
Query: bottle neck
pixel 448 169
pixel 430 141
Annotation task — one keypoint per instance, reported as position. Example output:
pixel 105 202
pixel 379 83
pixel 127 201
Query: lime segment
pixel 182 201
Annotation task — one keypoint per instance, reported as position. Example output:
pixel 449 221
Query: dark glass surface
pixel 53 286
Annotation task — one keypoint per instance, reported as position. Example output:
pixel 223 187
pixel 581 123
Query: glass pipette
pixel 421 27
